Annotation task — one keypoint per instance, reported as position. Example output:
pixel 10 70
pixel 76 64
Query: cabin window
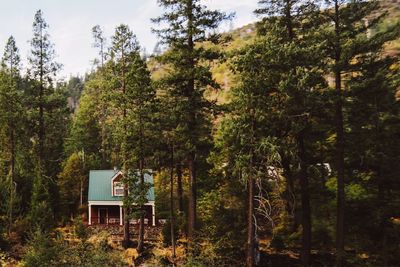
pixel 118 189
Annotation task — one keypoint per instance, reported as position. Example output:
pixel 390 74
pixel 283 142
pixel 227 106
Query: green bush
pixel 80 229
pixel 45 250
pixel 86 254
pixel 166 233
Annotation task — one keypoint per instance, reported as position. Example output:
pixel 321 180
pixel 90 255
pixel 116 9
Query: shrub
pixel 46 251
pixel 43 251
pixel 80 229
pixel 166 233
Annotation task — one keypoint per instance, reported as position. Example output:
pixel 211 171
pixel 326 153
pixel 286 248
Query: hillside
pixel 392 7
pixel 244 35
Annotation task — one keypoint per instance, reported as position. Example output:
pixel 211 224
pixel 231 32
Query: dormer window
pixel 117 185
pixel 118 189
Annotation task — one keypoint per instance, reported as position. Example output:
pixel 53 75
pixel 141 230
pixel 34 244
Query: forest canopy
pixel 274 144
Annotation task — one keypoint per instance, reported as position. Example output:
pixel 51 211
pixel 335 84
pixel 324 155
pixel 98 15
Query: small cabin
pixel 105 199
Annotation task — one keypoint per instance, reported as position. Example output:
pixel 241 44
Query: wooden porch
pixel 113 215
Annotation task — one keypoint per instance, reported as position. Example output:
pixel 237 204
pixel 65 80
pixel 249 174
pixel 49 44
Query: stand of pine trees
pixel 295 163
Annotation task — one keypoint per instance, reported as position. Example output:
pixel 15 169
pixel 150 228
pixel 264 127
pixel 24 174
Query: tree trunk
pixel 126 240
pixel 340 170
pixel 289 195
pixel 12 141
pixel 289 19
pixel 191 126
pixel 12 176
pixel 305 203
pixel 41 105
pixel 172 214
pixel 250 224
pixel 141 223
pixel 192 197
pixel 339 145
pixel 179 189
pixel 250 257
pixel 383 251
pixel 103 143
pixel 12 148
pixel 383 194
pixel 41 125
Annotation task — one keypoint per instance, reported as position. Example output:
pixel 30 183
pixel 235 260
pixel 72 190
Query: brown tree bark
pixel 289 19
pixel 289 195
pixel 179 189
pixel 142 209
pixel 41 110
pixel 172 213
pixel 12 141
pixel 305 203
pixel 192 197
pixel 126 240
pixel 339 144
pixel 250 223
pixel 304 184
pixel 191 125
pixel 250 255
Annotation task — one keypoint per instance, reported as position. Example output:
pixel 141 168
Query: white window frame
pixel 118 186
pixel 113 193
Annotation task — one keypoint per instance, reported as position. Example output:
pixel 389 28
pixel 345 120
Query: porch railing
pixel 104 220
pixel 114 220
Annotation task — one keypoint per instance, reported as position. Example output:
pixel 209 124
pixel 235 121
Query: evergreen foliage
pixel 275 144
pixel 190 23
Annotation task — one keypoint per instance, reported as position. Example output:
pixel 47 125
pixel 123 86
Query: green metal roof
pixel 100 186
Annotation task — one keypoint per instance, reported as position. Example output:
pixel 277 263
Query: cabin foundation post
pixel 90 214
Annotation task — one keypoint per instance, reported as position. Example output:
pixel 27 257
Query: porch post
pixel 153 212
pixel 120 215
pixel 90 214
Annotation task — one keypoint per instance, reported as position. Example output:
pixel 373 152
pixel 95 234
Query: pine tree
pixel 100 82
pixel 42 70
pixel 346 43
pixel 133 99
pixel 123 44
pixel 12 115
pixel 247 138
pixel 72 184
pixel 100 43
pixel 373 122
pixel 294 25
pixel 85 132
pixel 190 23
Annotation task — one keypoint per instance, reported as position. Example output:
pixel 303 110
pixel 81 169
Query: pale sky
pixel 71 22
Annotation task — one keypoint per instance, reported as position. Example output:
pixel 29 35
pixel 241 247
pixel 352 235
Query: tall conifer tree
pixel 190 23
pixel 293 26
pixel 11 115
pixel 133 99
pixel 347 45
pixel 42 71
